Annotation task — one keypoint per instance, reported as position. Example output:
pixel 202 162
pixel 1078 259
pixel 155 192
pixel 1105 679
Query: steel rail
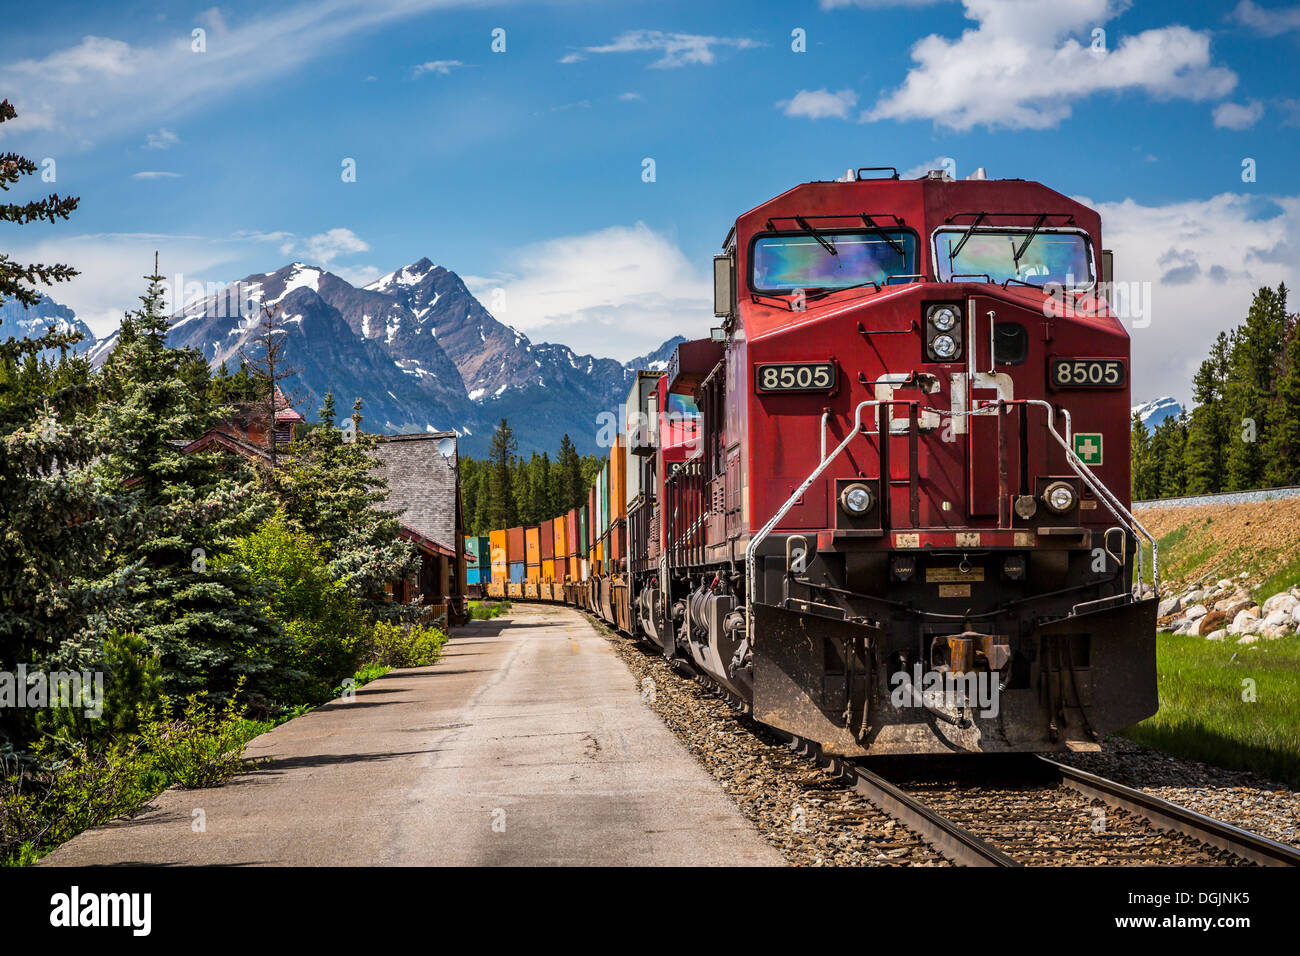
pixel 1165 815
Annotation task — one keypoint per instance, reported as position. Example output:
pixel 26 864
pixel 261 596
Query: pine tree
pixel 503 509
pixel 330 490
pixel 1249 395
pixel 55 520
pixel 1142 464
pixel 269 367
pixel 1283 450
pixel 1208 426
pixel 196 610
pixel 1167 448
pixel 569 486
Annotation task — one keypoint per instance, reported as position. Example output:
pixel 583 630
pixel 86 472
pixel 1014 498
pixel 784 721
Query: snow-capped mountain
pixel 420 351
pixel 1157 410
pixel 21 322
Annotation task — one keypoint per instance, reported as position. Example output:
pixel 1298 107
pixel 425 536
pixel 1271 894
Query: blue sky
pixel 522 169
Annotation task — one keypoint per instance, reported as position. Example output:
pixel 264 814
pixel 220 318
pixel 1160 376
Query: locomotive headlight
pixel 944 346
pixel 943 318
pixel 857 499
pixel 1059 497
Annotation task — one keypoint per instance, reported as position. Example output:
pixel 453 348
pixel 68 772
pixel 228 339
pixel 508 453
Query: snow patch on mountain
pixel 1154 412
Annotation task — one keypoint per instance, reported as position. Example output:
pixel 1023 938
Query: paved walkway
pixel 527 745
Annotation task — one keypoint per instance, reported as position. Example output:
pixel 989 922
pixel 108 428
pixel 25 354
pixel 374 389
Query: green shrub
pixel 316 610
pixel 486 611
pixel 55 798
pixel 203 747
pixel 133 685
pixel 405 645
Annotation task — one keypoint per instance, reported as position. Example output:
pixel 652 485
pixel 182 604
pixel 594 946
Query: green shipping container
pixel 585 536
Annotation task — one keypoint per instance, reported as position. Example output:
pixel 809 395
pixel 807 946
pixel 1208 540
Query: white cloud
pixel 163 139
pixel 819 104
pixel 1024 64
pixel 1205 259
pixel 572 58
pixel 1271 21
pixel 325 247
pixel 628 288
pixel 155 174
pixel 630 97
pixel 103 86
pixel 113 265
pixel 441 67
pixel 678 49
pixel 1235 116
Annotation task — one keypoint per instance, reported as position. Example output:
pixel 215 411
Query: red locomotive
pixel 885 505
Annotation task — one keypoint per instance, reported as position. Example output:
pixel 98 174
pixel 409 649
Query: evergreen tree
pixel 1142 464
pixel 569 483
pixel 330 490
pixel 503 510
pixel 1283 450
pixel 194 609
pixel 1253 366
pixel 55 520
pixel 1207 426
pixel 1167 448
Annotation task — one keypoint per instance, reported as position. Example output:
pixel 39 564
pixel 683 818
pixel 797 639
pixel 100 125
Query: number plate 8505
pixel 795 377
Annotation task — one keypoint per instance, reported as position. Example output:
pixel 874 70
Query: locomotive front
pixel 914 464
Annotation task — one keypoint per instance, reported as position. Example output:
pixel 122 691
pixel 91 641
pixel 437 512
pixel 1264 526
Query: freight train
pixel 885 504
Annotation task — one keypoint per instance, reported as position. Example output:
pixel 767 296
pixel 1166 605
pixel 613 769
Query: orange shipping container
pixel 532 545
pixel 534 573
pixel 618 480
pixel 574 570
pixel 500 558
pixel 560 545
pixel 548 569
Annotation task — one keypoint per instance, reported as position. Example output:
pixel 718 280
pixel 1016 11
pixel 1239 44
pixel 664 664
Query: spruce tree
pixel 569 486
pixel 1141 462
pixel 198 612
pixel 503 509
pixel 1207 425
pixel 1283 450
pixel 329 488
pixel 55 520
pixel 1252 370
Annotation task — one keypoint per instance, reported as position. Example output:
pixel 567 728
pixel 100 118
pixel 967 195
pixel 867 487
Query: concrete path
pixel 527 745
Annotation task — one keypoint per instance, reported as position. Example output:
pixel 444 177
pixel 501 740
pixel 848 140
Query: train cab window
pixel 1035 258
pixel 682 406
pixel 1010 343
pixel 830 260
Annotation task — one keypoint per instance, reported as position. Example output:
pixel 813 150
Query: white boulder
pixel 1218 635
pixel 1170 605
pixel 1196 611
pixel 1279 602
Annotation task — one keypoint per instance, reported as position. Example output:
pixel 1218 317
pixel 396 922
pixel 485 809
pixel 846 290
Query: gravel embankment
pixel 812 818
pixel 1243 799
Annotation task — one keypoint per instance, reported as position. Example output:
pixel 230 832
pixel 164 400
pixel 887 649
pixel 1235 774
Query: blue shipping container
pixel 517 572
pixel 473 576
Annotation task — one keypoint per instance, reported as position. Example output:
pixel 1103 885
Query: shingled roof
pixel 422 484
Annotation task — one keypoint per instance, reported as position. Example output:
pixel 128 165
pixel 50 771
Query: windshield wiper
pixel 1028 239
pixel 871 224
pixel 823 293
pixel 969 230
pixel 803 224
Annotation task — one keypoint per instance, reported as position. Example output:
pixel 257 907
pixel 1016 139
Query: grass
pixel 487 610
pixel 1231 706
pixel 1287 576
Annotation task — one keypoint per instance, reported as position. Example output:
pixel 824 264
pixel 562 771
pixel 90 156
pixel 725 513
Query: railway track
pixel 1027 810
